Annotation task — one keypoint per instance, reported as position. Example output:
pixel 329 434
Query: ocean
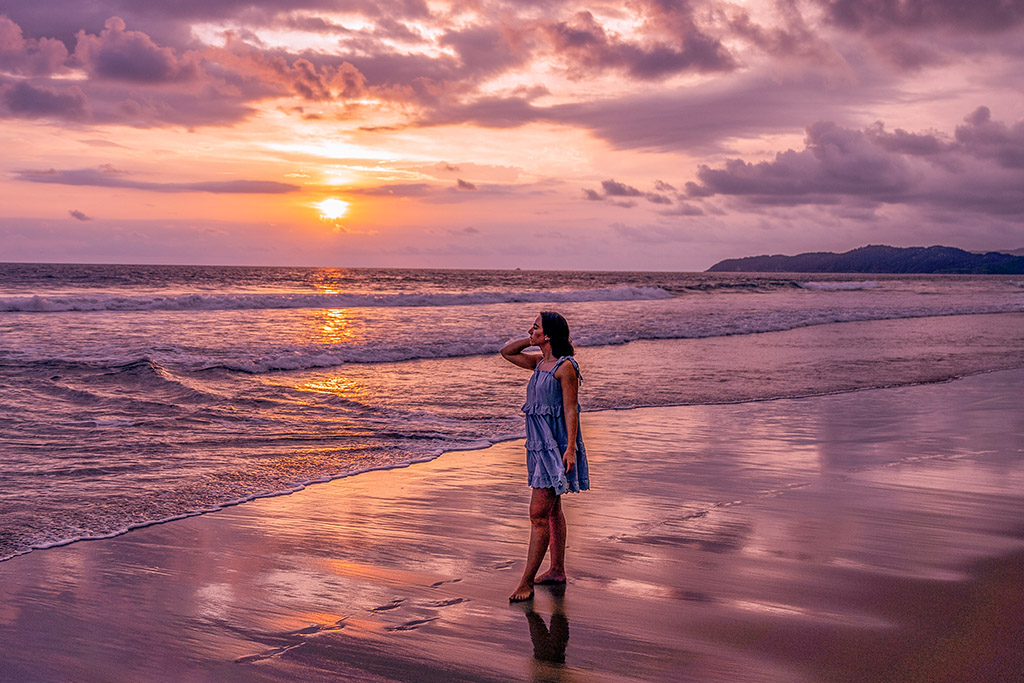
pixel 131 395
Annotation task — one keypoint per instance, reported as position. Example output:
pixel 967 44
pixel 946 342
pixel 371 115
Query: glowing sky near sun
pixel 652 134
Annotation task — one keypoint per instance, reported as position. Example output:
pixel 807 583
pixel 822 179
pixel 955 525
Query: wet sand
pixel 869 536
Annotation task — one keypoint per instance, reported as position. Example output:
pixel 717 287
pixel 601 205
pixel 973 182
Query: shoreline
pixel 302 486
pixel 840 537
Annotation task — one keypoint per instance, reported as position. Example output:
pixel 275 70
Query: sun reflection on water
pixel 334 326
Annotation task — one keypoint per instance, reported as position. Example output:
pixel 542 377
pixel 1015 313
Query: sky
pixel 540 134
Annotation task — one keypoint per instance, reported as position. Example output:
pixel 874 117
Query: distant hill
pixel 879 258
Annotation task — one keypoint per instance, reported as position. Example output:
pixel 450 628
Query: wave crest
pixel 254 301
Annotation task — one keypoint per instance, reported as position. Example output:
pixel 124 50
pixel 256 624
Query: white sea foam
pixel 249 301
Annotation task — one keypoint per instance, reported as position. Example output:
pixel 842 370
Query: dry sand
pixel 871 536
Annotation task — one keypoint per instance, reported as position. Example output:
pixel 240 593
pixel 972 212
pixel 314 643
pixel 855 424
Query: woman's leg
pixel 556 572
pixel 542 504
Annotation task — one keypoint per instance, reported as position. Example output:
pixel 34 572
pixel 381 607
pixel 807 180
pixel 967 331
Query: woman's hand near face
pixel 513 353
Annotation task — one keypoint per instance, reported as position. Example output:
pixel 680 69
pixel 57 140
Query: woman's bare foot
pixel 550 577
pixel 523 593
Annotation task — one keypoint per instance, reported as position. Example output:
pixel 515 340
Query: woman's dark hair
pixel 557 330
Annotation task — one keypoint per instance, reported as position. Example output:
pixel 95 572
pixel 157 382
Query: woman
pixel 556 460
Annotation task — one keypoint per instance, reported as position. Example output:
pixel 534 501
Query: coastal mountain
pixel 878 258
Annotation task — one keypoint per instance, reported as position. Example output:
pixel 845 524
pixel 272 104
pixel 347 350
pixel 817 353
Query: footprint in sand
pixel 394 604
pixel 412 625
pixel 321 628
pixel 446 603
pixel 505 565
pixel 441 583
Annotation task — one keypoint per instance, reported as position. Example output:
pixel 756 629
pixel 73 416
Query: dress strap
pixel 575 365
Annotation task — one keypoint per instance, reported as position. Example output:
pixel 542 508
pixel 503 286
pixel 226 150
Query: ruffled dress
pixel 547 437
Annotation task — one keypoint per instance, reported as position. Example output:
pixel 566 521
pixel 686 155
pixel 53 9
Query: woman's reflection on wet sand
pixel 549 639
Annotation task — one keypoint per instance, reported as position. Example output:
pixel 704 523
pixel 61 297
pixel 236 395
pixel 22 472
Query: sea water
pixel 135 394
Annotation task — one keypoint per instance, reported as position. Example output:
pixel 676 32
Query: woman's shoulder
pixel 572 367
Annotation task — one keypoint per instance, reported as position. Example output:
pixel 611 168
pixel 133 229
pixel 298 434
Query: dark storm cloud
pixel 979 172
pixel 106 176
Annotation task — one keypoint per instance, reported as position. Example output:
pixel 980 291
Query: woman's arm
pixel 566 375
pixel 513 353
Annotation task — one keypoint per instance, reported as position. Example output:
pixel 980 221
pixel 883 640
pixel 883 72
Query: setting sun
pixel 332 209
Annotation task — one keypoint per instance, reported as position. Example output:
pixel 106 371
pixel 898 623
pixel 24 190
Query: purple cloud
pixel 24 100
pixel 613 188
pixel 119 54
pixel 902 142
pixel 989 139
pixel 841 166
pixel 30 57
pixel 106 176
pixel 465 185
pixel 78 215
pixel 586 47
pixel 981 16
pixel 835 161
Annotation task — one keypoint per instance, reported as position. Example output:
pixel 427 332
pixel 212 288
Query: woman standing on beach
pixel 556 460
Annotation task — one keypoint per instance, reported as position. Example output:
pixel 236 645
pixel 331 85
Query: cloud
pixel 586 47
pixel 465 185
pixel 108 177
pixel 902 142
pixel 981 16
pixel 988 139
pixel 78 215
pixel 250 65
pixel 613 188
pixel 835 160
pixel 491 112
pixel 24 100
pixel 32 57
pixel 978 173
pixel 119 54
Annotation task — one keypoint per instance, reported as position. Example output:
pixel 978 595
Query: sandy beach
pixel 868 536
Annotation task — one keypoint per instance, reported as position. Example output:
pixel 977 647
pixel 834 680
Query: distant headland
pixel 879 258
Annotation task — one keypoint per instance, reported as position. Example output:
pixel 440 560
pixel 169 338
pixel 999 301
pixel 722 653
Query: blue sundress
pixel 547 437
